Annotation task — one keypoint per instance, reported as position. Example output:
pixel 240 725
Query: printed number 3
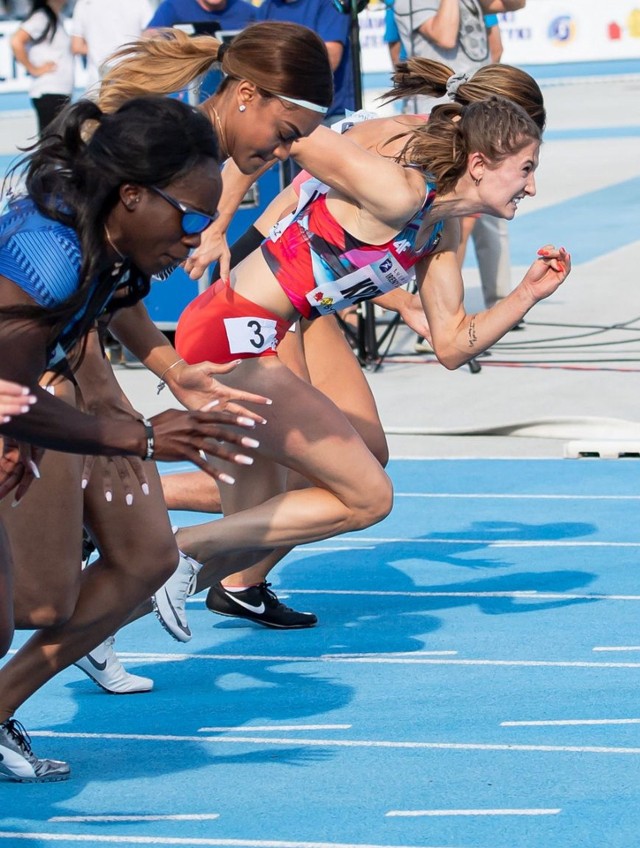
pixel 259 340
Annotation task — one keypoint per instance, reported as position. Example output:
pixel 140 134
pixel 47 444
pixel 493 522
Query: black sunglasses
pixel 192 221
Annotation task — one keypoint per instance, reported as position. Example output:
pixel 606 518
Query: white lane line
pixel 337 743
pixel 520 593
pixel 377 658
pixel 618 648
pixel 175 840
pixel 516 497
pixel 244 728
pixel 505 812
pixel 570 722
pixel 177 817
pixel 490 543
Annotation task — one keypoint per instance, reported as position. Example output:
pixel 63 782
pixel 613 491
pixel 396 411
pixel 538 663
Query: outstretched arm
pixel 457 337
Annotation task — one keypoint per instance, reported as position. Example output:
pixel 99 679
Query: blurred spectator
pixel 334 28
pixel 230 14
pixel 43 46
pixel 99 27
pixel 392 36
pixel 494 38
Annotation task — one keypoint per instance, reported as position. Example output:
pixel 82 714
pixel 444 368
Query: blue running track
pixel 472 683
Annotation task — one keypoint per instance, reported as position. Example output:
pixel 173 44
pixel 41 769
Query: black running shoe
pixel 259 604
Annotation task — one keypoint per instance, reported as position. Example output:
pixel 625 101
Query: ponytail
pixel 423 77
pixel 281 59
pixel 164 64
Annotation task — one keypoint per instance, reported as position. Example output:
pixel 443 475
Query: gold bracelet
pixel 162 383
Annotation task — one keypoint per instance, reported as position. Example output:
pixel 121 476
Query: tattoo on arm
pixel 473 338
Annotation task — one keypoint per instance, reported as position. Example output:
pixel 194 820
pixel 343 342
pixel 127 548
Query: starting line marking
pixel 506 812
pixel 270 728
pixel 338 743
pixel 571 722
pixel 175 840
pixel 376 658
pixel 149 818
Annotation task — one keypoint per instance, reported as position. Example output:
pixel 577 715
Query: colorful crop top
pixel 323 269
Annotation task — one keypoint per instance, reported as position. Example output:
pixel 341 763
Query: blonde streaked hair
pixel 280 58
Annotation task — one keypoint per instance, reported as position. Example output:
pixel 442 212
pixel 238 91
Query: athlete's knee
pixel 43 616
pixel 155 561
pixel 35 609
pixel 375 506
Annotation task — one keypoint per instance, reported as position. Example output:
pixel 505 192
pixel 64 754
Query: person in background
pixel 43 46
pixel 392 36
pixel 333 28
pixel 494 38
pixel 454 32
pixel 229 14
pixel 100 27
pixel 467 225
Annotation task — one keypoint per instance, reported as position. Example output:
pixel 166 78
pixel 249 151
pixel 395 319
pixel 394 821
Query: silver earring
pixel 242 108
pixel 477 182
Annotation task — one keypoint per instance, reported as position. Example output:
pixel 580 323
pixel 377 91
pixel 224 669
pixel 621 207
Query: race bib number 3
pixel 250 335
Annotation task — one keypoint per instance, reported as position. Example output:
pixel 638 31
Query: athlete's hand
pixel 128 469
pixel 213 248
pixel 14 400
pixel 195 387
pixel 192 435
pixel 548 272
pixel 110 402
pixel 18 467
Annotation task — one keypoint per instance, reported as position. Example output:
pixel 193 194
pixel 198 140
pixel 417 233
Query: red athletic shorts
pixel 221 325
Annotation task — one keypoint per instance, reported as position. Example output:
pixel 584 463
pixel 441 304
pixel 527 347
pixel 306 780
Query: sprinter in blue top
pixel 110 201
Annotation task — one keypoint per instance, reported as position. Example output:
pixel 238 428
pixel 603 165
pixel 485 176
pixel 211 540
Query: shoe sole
pixel 110 691
pixel 54 778
pixel 166 626
pixel 264 623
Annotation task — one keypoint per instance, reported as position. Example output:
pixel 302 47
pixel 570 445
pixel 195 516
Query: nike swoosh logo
pixel 100 666
pixel 258 610
pixel 184 629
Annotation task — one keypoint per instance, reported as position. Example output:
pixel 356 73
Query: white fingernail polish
pixel 129 499
pixel 85 482
pixel 226 478
pixel 246 422
pixel 6 419
pixel 108 496
pixel 241 459
pixel 145 489
pixel 34 469
pixel 250 443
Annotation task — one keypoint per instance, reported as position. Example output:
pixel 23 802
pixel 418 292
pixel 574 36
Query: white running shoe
pixel 170 600
pixel 18 762
pixel 104 668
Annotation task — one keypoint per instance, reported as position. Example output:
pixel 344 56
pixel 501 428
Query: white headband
pixel 306 104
